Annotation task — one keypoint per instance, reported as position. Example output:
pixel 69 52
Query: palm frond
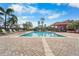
pixel 13 19
pixel 2 10
pixel 9 10
pixel 1 19
pixel 1 13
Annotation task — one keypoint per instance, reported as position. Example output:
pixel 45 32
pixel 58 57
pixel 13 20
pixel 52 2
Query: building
pixel 60 26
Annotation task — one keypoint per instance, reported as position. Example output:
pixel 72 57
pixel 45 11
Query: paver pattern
pixel 13 45
pixel 67 46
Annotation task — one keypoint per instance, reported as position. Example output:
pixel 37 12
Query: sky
pixel 52 12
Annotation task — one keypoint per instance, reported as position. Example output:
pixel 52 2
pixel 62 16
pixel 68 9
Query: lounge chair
pixel 14 30
pixel 10 30
pixel 4 31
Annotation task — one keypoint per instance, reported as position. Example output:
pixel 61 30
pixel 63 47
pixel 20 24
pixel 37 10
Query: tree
pixel 42 22
pixel 1 20
pixel 27 25
pixel 38 23
pixel 45 28
pixel 72 26
pixel 12 21
pixel 5 13
pixel 70 21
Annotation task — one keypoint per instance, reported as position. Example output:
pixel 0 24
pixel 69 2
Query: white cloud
pixel 20 8
pixel 31 9
pixel 28 9
pixel 44 12
pixel 51 14
pixel 58 4
pixel 22 19
pixel 74 5
pixel 34 24
pixel 54 16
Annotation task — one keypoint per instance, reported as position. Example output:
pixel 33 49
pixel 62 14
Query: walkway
pixel 47 49
pixel 13 45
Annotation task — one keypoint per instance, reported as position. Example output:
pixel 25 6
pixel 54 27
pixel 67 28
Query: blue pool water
pixel 41 34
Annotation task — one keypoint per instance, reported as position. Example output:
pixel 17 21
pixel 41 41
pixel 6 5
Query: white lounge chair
pixel 4 31
pixel 10 30
pixel 14 30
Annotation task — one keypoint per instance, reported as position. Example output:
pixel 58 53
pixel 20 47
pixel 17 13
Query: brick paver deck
pixel 13 45
pixel 64 47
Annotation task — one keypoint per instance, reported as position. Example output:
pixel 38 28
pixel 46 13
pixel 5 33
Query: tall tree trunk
pixel 5 22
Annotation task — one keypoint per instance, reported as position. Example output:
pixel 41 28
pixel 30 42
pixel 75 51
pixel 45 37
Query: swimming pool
pixel 41 34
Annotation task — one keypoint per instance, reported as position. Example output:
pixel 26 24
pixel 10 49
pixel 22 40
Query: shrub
pixel 0 30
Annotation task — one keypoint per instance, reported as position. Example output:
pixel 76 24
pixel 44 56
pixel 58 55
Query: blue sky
pixel 52 12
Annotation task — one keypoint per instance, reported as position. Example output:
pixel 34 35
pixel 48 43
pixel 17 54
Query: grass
pixel 0 30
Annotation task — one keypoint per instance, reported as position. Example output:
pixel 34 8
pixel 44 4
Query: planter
pixel 71 31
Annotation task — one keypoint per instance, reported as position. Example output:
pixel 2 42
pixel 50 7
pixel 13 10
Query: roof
pixel 60 24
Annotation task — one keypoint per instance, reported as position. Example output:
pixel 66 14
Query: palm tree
pixel 42 22
pixel 13 21
pixel 38 23
pixel 5 13
pixel 1 20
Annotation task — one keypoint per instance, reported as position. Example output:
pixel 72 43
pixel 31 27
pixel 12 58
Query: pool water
pixel 41 34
